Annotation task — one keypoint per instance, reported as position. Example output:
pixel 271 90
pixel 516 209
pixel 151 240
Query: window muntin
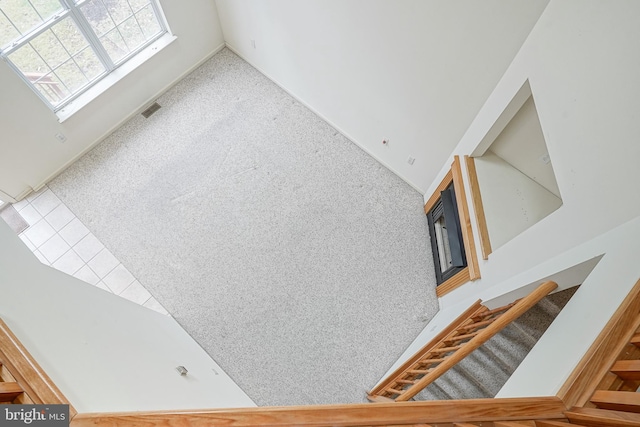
pixel 62 47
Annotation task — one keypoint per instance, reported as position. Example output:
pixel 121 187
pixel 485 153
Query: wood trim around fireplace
pixel 446 181
pixel 481 220
pixel 465 220
pixel 472 270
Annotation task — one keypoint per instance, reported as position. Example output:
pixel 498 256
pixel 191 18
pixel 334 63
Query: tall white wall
pixel 29 152
pixel 415 72
pixel 582 64
pixel 105 353
pixel 512 201
pixel 521 144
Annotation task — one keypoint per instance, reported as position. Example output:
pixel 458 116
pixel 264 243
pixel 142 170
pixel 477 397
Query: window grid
pixel 72 57
pixel 10 22
pixel 36 10
pixel 56 91
pixel 52 71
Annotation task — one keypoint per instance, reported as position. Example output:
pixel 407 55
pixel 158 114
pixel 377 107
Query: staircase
pixel 614 403
pixel 483 373
pixel 474 356
pixel 601 391
pixel 22 380
pixel 10 390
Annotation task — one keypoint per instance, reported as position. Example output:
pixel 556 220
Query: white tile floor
pixel 58 238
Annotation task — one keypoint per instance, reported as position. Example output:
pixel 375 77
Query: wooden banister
pixel 600 417
pixel 9 391
pixel 27 372
pixel 450 346
pixel 626 401
pixel 381 414
pixel 509 316
pixel 441 336
pixel 595 364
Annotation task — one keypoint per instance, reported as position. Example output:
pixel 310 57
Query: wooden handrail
pixel 513 313
pixel 473 309
pixel 603 352
pixel 461 351
pixel 618 332
pixel 381 414
pixel 27 372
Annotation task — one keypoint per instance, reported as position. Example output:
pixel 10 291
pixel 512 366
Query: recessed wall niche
pixel 513 184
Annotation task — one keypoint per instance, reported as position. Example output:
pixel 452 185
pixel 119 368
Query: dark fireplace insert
pixel 446 236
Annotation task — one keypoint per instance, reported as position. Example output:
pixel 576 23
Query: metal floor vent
pixel 152 109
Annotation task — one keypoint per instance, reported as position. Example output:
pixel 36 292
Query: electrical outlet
pixel 410 160
pixel 545 159
pixel 253 43
pixel 60 137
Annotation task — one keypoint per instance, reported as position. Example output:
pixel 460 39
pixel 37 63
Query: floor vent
pixel 149 111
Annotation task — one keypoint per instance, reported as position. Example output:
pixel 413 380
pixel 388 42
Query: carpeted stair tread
pixel 433 392
pixel 494 374
pixel 459 384
pixel 483 373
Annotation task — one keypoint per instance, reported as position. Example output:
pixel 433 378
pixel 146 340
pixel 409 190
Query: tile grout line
pixel 139 294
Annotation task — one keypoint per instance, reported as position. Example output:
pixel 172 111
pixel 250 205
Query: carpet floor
pixel 297 261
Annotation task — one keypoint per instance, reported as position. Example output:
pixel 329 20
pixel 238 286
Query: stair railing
pixel 353 415
pixel 469 331
pixel 22 380
pixel 603 389
pixel 608 375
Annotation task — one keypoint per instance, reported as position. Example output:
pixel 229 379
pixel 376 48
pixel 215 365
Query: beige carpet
pixel 298 262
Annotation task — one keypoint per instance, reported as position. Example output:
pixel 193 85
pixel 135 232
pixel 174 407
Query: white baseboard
pixel 323 117
pixel 141 108
pixel 144 104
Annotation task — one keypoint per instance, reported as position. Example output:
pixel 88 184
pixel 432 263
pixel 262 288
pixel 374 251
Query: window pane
pixel 46 8
pixel 29 62
pixel 67 31
pixel 8 32
pixel 50 49
pixel 132 33
pixel 51 87
pixel 98 17
pixel 27 15
pixel 148 21
pixel 39 74
pixel 118 9
pixel 60 43
pixel 136 5
pixel 89 63
pixel 119 29
pixel 114 45
pixel 59 61
pixel 71 75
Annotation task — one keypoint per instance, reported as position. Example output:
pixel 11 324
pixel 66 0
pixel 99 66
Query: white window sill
pixel 114 77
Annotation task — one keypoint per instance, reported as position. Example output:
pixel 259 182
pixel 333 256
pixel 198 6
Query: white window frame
pixel 72 9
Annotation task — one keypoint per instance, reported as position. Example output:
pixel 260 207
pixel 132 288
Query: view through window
pixel 62 47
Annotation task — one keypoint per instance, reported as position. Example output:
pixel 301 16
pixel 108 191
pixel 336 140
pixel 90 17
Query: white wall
pixel 29 152
pixel 582 64
pixel 551 361
pixel 512 201
pixel 105 353
pixel 522 145
pixel 413 71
